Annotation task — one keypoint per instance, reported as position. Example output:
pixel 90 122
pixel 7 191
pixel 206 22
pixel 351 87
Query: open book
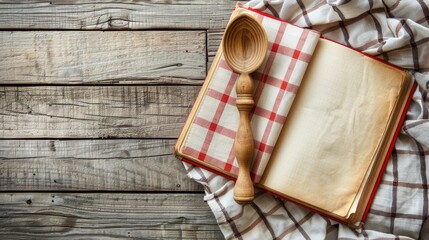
pixel 325 121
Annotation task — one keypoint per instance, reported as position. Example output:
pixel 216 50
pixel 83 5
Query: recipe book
pixel 324 123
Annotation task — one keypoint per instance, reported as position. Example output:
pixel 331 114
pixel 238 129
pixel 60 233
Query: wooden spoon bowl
pixel 244 47
pixel 244 44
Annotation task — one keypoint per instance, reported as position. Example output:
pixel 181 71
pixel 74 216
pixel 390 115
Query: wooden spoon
pixel 244 48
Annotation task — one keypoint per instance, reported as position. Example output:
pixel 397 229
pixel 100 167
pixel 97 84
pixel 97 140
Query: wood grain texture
pixel 214 39
pixel 109 57
pixel 86 165
pixel 63 92
pixel 87 14
pixel 94 111
pixel 105 216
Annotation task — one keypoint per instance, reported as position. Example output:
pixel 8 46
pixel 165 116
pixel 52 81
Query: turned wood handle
pixel 243 191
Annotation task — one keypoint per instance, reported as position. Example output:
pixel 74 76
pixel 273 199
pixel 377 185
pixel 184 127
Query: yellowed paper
pixel 333 129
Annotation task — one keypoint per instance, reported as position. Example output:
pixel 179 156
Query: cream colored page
pixel 333 128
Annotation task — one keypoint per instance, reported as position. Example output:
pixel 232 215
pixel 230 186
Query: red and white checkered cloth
pixel 212 132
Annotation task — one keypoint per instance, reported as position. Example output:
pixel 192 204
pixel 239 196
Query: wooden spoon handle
pixel 243 191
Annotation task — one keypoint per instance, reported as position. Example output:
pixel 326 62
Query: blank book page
pixel 334 128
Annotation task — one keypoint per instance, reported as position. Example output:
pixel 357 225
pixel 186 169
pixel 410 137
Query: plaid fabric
pixel 398 32
pixel 212 132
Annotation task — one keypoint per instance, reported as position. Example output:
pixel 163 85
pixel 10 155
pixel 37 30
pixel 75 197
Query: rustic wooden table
pixel 92 98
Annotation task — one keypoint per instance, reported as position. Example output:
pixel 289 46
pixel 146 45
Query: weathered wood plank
pixel 214 39
pixel 99 215
pixel 86 165
pixel 94 111
pixel 109 57
pixel 87 14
